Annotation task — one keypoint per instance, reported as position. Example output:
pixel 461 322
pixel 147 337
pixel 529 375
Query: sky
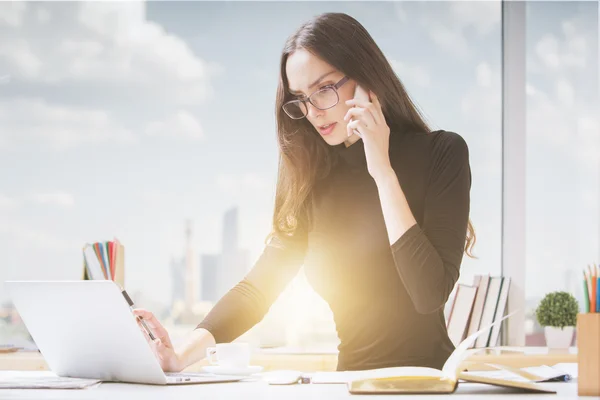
pixel 125 119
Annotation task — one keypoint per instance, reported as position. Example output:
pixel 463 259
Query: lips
pixel 326 129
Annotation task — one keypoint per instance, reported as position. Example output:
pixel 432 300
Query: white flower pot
pixel 557 338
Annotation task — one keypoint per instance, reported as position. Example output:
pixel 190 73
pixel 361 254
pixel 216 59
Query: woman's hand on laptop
pixel 161 345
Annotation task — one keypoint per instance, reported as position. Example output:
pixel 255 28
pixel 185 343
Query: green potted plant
pixel 557 313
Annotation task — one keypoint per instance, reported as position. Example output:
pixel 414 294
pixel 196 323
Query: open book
pixel 397 380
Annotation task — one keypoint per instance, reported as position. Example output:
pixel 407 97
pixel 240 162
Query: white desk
pixel 259 390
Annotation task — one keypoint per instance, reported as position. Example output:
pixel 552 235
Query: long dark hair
pixel 345 44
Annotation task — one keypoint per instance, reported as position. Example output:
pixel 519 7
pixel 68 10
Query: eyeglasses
pixel 323 99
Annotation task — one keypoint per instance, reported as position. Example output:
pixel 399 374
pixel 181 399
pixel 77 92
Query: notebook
pixel 500 310
pixel 489 308
pixel 416 380
pixel 482 282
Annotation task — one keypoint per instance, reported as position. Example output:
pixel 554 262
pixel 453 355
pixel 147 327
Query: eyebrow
pixel 315 83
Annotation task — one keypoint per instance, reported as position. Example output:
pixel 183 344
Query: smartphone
pixel 360 94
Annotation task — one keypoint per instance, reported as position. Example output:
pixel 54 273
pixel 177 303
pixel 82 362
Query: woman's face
pixel 306 73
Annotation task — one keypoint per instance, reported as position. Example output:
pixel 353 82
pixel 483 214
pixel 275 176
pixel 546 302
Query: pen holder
pixel 588 354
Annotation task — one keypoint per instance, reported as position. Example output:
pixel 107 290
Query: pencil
pixel 588 277
pixel 586 300
pixel 594 290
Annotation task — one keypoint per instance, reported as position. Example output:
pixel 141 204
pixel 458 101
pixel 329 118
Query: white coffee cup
pixel 229 355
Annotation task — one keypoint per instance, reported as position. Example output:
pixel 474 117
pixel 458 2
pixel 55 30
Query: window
pixel 132 129
pixel 563 151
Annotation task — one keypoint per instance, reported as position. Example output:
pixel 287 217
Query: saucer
pixel 220 370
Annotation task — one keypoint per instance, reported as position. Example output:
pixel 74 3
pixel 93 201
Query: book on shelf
pixel 500 310
pixel 488 306
pixel 104 260
pixel 460 313
pixel 476 305
pixel 482 282
pixel 423 380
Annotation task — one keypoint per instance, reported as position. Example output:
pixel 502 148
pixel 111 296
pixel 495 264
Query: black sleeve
pixel 428 257
pixel 246 304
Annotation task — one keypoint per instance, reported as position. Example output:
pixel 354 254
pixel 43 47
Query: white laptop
pixel 85 329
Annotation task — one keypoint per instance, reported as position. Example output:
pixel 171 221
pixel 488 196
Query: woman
pixel 379 218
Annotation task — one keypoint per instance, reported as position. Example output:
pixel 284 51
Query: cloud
pixel 560 113
pixel 43 15
pixel 483 16
pixel 451 24
pixel 7 203
pixel 481 112
pixel 484 75
pixel 12 12
pixel 103 43
pixel 571 52
pixel 182 124
pixel 450 39
pixel 570 126
pixel 60 199
pixel 26 122
pixel 235 185
pixel 400 11
pixel 4 79
pixel 21 59
pixel 30 238
pixel 57 198
pixel 481 104
pixel 530 90
pixel 412 74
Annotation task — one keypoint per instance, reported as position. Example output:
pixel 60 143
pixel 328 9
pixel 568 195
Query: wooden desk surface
pixel 274 360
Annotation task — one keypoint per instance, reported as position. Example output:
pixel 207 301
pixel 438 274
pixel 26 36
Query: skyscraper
pixel 177 280
pixel 191 270
pixel 220 272
pixel 234 261
pixel 210 265
pixel 229 241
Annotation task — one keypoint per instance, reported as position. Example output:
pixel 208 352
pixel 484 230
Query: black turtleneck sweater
pixel 387 300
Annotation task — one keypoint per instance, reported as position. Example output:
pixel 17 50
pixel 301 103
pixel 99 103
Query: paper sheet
pixel 544 373
pixel 41 380
pixel 568 368
pixel 498 374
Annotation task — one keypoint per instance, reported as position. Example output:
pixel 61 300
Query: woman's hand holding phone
pixel 366 117
pixel 362 95
pixel 161 345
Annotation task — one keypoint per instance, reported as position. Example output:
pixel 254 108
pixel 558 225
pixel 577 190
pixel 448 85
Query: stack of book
pixel 104 260
pixel 477 305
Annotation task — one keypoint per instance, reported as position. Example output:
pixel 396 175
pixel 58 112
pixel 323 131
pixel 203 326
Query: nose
pixel 313 112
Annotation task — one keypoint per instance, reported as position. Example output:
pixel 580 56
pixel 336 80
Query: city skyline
pixel 213 273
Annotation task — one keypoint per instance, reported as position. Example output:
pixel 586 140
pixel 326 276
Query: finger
pixel 359 126
pixel 361 113
pixel 146 336
pixel 164 353
pixel 155 348
pixel 365 105
pixel 155 326
pixel 351 132
pixel 142 313
pixel 377 104
pixel 160 347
